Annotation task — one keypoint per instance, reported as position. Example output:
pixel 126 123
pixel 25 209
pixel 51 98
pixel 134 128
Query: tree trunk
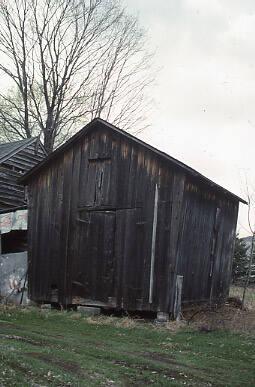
pixel 48 141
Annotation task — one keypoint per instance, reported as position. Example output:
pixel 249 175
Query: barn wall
pixel 90 228
pixel 206 243
pixel 45 236
pixel 224 249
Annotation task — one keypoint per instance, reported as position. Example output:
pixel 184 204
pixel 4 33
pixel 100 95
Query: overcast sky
pixel 204 111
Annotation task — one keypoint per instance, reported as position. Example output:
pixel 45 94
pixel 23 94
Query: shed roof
pixel 97 122
pixel 9 149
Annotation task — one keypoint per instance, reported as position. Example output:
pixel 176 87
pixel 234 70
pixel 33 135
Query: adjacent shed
pixel 17 158
pixel 114 221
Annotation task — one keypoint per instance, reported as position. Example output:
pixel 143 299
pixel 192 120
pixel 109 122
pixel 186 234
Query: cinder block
pixel 89 310
pixel 31 302
pixel 162 317
pixel 45 306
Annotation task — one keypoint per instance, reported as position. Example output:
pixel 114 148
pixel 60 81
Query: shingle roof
pixel 10 148
pixel 100 121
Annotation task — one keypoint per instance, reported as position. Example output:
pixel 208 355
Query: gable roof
pixel 99 121
pixel 9 149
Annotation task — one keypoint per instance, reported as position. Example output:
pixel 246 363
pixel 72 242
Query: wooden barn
pixel 113 222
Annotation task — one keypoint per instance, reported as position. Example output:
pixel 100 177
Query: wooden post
pixel 153 243
pixel 178 297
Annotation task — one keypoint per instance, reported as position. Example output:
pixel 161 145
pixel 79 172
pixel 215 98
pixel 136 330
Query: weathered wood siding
pixel 206 243
pixel 90 227
pixel 11 192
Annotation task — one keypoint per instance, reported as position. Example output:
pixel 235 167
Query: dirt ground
pixel 228 316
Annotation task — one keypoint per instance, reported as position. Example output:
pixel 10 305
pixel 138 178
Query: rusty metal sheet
pixel 16 220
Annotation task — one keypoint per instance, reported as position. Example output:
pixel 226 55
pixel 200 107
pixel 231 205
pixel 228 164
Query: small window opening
pixel 14 241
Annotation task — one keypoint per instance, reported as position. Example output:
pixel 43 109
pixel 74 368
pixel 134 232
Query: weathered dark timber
pixel 16 159
pixel 92 213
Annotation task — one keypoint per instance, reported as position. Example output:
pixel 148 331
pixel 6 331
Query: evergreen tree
pixel 240 260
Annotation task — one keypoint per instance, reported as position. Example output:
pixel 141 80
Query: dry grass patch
pixel 174 326
pixel 118 322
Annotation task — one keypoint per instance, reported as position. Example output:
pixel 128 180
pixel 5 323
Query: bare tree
pixel 70 61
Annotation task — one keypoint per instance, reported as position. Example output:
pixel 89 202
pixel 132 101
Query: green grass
pixel 50 348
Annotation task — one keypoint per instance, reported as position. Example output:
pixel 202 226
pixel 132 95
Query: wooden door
pixel 94 271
